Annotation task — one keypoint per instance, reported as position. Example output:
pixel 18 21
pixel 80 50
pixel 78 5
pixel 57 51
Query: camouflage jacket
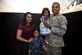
pixel 58 29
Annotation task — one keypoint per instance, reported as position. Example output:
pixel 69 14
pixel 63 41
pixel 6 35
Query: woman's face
pixel 36 33
pixel 46 13
pixel 28 18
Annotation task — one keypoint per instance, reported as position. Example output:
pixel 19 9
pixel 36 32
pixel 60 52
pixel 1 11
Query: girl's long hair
pixel 45 9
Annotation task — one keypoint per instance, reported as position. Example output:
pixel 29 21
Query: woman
pixel 24 33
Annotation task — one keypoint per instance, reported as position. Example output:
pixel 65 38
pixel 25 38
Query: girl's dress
pixel 44 31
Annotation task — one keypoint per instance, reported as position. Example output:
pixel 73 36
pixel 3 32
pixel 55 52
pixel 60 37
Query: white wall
pixel 34 6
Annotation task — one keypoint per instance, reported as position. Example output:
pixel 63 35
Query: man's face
pixel 55 8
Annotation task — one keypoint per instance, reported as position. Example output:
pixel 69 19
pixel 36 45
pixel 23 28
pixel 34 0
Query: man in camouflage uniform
pixel 58 26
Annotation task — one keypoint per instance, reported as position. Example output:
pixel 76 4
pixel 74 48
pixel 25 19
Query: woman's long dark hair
pixel 45 9
pixel 25 22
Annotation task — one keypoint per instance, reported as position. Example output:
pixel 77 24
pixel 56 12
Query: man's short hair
pixel 56 3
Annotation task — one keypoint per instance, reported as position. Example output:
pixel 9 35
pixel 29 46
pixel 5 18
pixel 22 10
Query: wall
pixel 10 21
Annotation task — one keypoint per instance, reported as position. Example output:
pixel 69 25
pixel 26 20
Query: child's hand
pixel 46 49
pixel 29 51
pixel 46 40
pixel 42 18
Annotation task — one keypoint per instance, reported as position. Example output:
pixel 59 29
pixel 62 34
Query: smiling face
pixel 28 18
pixel 55 8
pixel 46 13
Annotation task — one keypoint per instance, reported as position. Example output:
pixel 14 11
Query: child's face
pixel 46 13
pixel 36 33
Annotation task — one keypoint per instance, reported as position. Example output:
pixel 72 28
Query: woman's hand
pixel 30 39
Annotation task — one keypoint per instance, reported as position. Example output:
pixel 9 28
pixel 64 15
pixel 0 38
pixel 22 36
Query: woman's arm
pixel 18 36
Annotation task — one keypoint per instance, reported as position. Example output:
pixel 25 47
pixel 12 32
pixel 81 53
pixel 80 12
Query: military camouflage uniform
pixel 58 29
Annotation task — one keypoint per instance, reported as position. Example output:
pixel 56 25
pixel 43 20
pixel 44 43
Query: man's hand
pixel 45 22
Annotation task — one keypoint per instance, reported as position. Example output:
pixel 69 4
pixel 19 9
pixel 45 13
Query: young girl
pixel 37 44
pixel 44 31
